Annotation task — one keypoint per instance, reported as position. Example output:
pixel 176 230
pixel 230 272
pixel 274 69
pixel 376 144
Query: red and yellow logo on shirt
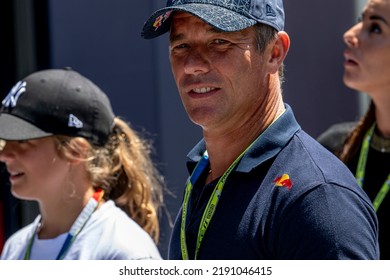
pixel 283 181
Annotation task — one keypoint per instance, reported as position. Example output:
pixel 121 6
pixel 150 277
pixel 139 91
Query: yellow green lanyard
pixel 210 207
pixel 361 169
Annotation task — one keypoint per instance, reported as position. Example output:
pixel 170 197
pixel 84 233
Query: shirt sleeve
pixel 328 222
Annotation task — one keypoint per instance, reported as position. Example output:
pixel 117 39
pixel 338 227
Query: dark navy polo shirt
pixel 288 198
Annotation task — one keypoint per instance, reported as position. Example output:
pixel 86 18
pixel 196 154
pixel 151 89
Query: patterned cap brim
pixel 218 17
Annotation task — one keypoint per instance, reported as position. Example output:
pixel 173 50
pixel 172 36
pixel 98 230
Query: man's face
pixel 221 77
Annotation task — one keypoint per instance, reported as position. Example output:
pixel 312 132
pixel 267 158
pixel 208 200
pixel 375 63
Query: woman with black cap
pixel 96 186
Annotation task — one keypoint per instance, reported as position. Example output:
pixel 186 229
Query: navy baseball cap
pixel 56 102
pixel 224 15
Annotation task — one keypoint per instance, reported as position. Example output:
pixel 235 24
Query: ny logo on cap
pixel 12 98
pixel 74 122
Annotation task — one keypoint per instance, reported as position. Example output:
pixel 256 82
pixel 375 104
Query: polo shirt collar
pixel 267 145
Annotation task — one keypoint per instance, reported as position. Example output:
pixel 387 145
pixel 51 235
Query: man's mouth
pixel 203 90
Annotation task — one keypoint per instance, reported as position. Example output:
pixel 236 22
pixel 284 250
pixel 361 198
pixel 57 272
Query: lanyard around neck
pixel 361 169
pixel 210 207
pixel 76 228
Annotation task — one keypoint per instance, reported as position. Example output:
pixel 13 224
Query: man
pixel 260 187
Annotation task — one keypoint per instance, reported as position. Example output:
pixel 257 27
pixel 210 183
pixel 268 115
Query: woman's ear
pixel 77 150
pixel 279 51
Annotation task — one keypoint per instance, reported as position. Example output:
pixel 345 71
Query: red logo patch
pixel 161 19
pixel 283 181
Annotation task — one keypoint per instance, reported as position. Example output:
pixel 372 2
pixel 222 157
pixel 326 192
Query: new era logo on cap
pixel 270 11
pixel 74 121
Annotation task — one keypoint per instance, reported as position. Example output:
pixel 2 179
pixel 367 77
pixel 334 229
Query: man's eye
pixel 180 46
pixel 219 42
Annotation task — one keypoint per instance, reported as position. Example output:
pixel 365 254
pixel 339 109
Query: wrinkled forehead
pixel 179 18
pixel 182 22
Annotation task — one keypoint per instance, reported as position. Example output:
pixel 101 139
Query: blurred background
pixel 101 39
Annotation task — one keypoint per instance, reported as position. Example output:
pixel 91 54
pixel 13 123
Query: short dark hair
pixel 265 34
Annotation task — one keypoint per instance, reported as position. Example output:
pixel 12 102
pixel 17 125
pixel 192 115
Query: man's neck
pixel 224 148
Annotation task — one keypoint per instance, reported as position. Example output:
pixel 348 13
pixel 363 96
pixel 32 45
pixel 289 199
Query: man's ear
pixel 279 50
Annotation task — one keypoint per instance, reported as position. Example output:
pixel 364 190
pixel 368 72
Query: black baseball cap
pixel 56 102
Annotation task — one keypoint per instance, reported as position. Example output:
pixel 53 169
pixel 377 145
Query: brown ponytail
pixel 125 170
pixel 355 139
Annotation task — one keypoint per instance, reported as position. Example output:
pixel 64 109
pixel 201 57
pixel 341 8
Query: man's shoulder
pixel 313 164
pixel 334 137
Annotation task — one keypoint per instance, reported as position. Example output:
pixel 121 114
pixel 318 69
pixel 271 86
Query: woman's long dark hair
pixel 354 140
